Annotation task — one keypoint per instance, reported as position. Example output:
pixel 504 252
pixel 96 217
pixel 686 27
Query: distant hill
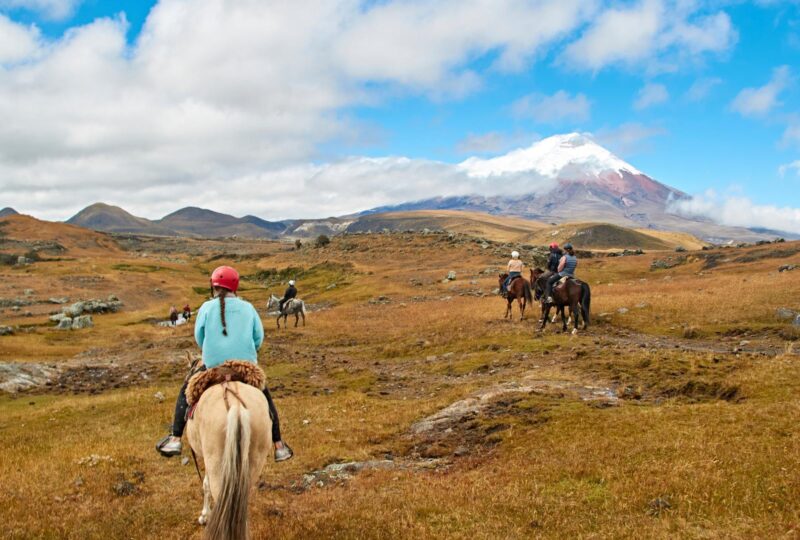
pixel 22 233
pixel 595 236
pixel 8 211
pixel 193 221
pixel 499 228
pixel 108 218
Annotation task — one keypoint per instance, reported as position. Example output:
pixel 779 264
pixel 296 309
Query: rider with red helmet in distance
pixel 226 328
pixel 554 258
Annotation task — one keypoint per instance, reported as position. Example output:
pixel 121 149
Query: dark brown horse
pixel 520 290
pixel 575 294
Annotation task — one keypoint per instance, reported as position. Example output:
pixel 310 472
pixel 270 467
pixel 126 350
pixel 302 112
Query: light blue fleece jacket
pixel 245 331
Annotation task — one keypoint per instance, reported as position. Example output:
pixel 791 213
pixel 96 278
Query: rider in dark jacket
pixel 554 258
pixel 566 268
pixel 291 292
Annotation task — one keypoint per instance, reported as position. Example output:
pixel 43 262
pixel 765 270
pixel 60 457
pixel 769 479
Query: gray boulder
pixel 84 321
pixel 785 314
pixel 6 330
pixel 65 323
pixel 451 275
pixel 59 300
pixel 75 309
pixel 796 321
pixel 58 316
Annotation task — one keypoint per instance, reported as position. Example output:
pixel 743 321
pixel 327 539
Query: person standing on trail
pixel 291 292
pixel 173 315
pixel 554 258
pixel 515 268
pixel 566 268
pixel 226 328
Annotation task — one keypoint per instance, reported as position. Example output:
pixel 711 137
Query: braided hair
pixel 222 292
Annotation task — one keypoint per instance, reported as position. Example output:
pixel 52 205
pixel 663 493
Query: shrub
pixel 323 240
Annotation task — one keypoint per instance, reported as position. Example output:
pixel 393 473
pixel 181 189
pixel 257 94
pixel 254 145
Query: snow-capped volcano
pixel 586 183
pixel 561 157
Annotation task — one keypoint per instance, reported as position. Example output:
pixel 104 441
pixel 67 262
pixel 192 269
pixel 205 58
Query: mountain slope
pixel 195 221
pixel 8 211
pixel 108 218
pixel 597 236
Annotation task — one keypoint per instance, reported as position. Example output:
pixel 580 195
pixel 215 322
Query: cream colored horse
pixel 234 444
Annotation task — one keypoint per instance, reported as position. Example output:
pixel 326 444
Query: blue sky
pixel 464 91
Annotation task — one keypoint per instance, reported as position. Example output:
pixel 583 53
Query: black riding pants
pixel 548 291
pixel 181 406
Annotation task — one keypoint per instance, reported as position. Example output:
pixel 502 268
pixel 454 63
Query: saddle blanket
pixel 232 370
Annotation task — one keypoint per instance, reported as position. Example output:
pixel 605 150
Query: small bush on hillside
pixel 322 240
pixel 298 244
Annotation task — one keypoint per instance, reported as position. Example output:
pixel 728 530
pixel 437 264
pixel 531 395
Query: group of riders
pixel 561 264
pixel 226 328
pixel 229 328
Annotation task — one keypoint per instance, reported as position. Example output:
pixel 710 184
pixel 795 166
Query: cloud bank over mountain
pixel 229 101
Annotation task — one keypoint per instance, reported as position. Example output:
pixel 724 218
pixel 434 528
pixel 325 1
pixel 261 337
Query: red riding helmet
pixel 226 277
pixel 554 246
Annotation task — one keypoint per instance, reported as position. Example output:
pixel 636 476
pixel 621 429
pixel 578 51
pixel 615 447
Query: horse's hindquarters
pixel 207 430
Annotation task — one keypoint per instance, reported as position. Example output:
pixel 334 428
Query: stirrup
pixel 168 453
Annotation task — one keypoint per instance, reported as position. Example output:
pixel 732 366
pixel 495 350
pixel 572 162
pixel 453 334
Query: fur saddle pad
pixel 232 370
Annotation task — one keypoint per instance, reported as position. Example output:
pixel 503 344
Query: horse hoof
pixel 574 331
pixel 203 519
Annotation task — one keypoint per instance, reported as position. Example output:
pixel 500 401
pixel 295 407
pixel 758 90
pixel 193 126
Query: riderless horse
pixel 293 306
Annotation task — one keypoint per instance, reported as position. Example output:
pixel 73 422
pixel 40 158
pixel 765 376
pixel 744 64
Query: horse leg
pixel 508 309
pixel 521 304
pixel 203 519
pixel 563 318
pixel 302 314
pixel 278 320
pixel 296 319
pixel 545 315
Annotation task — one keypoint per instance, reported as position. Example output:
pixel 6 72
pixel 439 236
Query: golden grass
pixel 546 464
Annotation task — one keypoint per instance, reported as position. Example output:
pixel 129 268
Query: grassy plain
pixel 676 418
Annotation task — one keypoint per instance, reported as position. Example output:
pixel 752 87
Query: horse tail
pixel 586 302
pixel 228 520
pixel 526 288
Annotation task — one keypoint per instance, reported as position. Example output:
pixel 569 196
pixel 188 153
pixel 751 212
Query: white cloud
pixel 554 109
pixel 628 138
pixel 701 88
pixel 423 44
pixel 791 135
pixel 739 211
pixel 17 42
pixel 789 167
pixel 651 94
pixel 52 9
pixel 760 101
pixel 648 30
pixel 494 142
pixel 231 92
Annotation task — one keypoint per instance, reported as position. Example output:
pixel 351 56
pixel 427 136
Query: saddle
pixel 232 370
pixel 563 281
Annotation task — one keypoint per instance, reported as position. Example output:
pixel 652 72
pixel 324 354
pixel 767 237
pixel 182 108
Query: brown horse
pixel 520 290
pixel 575 294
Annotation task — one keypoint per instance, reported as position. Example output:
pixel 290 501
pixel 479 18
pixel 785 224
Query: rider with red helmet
pixel 226 328
pixel 554 258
